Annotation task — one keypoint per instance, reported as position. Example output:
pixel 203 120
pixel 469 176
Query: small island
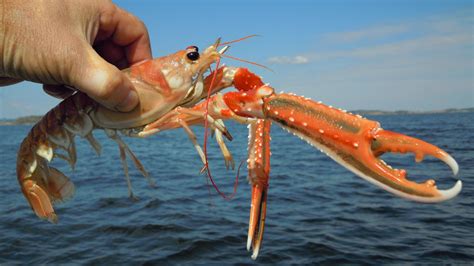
pixel 32 119
pixel 24 120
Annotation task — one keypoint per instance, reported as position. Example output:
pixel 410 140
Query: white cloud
pixel 421 35
pixel 294 60
pixel 424 64
pixel 420 44
pixel 424 44
pixel 424 82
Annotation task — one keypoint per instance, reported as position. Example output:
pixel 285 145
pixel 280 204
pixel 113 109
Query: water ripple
pixel 318 212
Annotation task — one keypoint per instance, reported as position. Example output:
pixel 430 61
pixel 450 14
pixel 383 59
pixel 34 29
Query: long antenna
pixel 248 62
pixel 238 40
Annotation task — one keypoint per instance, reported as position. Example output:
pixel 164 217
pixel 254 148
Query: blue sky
pixel 389 55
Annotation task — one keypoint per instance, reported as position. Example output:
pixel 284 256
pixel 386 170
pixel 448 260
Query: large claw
pixel 354 142
pixel 395 180
pixel 357 143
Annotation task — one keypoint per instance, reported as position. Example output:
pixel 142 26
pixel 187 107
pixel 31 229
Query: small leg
pixel 123 157
pixel 218 124
pixel 172 120
pixel 229 161
pixel 71 151
pixel 140 167
pixel 94 143
pixel 193 139
pixel 134 158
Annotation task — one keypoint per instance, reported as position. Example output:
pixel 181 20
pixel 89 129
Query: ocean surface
pixel 318 212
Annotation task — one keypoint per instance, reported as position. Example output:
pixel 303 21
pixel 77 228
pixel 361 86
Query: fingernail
pixel 129 102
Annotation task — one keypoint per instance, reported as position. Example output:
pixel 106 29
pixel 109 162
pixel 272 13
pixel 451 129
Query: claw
pixel 357 143
pixel 258 212
pixel 354 142
pixel 388 141
pixel 395 180
pixel 259 175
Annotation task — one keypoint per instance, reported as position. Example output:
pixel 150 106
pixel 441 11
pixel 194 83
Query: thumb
pixel 104 83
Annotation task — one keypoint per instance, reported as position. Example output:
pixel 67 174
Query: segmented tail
pixel 41 183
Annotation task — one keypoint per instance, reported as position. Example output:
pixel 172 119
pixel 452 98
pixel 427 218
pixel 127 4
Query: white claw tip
pixel 452 164
pixel 249 243
pixel 452 192
pixel 255 254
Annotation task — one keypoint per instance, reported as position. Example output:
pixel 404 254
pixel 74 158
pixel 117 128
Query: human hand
pixel 78 44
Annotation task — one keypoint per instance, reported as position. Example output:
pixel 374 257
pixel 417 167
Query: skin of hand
pixel 67 44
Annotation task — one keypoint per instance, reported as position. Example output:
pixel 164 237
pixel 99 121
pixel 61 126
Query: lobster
pixel 172 90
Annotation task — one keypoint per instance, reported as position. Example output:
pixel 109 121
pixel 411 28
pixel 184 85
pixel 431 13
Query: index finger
pixel 127 31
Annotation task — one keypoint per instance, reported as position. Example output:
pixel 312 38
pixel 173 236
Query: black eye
pixel 193 56
pixel 193 53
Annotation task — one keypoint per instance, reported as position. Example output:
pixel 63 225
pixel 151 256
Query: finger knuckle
pixel 109 88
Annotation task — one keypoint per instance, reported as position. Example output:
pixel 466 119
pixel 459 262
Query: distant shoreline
pixel 32 119
pixel 403 112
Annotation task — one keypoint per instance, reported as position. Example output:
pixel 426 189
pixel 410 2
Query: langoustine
pixel 171 90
